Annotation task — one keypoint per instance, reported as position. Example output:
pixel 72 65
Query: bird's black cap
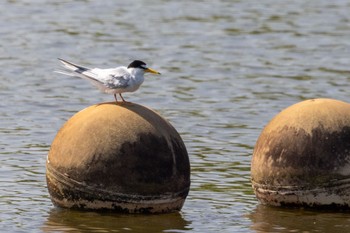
pixel 137 64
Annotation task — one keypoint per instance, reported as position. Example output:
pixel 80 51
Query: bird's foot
pixel 125 102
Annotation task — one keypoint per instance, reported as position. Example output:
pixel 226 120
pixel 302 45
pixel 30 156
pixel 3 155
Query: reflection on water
pixel 227 68
pixel 81 221
pixel 270 219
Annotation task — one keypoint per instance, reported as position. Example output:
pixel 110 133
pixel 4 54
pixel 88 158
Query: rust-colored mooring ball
pixel 120 157
pixel 302 157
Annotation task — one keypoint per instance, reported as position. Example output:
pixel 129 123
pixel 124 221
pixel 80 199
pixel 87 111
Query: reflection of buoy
pixel 120 157
pixel 302 157
pixel 85 221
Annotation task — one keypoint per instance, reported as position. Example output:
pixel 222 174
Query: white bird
pixel 112 81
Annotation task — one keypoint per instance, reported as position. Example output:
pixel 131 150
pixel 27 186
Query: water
pixel 227 68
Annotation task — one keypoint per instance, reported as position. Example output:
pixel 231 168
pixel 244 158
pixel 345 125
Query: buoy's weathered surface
pixel 302 157
pixel 118 157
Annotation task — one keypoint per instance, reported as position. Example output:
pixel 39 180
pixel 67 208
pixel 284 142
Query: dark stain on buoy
pixel 304 153
pixel 302 157
pixel 126 158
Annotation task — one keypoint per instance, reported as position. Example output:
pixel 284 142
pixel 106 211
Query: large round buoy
pixel 121 157
pixel 302 157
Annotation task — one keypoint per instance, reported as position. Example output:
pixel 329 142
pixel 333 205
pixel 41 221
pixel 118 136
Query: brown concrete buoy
pixel 124 157
pixel 302 157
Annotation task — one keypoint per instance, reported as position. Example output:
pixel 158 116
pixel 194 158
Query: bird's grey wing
pixel 117 81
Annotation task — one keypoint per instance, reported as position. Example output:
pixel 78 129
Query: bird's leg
pixel 115 97
pixel 122 97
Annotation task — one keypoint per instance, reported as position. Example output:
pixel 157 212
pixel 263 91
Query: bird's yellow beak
pixel 149 70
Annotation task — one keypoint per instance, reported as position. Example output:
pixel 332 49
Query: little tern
pixel 112 81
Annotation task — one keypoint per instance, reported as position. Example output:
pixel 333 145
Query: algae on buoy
pixel 302 157
pixel 124 157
